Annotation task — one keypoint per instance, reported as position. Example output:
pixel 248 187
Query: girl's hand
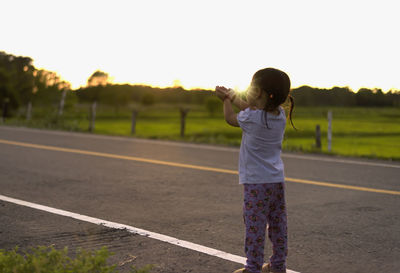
pixel 228 93
pixel 221 92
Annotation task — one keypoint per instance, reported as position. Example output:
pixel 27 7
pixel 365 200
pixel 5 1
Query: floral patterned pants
pixel 264 204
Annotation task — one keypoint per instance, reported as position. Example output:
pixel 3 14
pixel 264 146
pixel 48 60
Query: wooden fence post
pixel 62 102
pixel 329 130
pixel 5 109
pixel 29 111
pixel 134 116
pixel 92 116
pixel 184 112
pixel 318 136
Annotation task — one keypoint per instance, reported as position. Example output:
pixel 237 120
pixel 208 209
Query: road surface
pixel 343 214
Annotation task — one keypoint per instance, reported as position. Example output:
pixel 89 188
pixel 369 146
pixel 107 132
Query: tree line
pixel 22 84
pixel 344 96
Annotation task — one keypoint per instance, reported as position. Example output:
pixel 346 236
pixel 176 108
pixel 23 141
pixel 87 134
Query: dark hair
pixel 276 84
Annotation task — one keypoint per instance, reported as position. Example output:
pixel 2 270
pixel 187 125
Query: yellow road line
pixel 189 166
pixel 341 186
pixel 132 158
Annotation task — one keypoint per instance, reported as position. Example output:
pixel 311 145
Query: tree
pixel 17 80
pixel 115 95
pixel 98 78
pixel 213 104
pixel 95 85
pixel 49 88
pixel 365 97
pixel 148 99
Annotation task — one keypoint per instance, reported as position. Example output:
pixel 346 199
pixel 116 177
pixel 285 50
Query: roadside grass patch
pixel 46 259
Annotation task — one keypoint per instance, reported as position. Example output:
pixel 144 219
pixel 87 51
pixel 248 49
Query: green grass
pixel 361 132
pixel 47 259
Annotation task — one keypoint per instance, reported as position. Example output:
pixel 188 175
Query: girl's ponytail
pixel 291 110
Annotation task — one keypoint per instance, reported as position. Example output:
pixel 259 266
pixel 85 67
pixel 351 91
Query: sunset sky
pixel 209 42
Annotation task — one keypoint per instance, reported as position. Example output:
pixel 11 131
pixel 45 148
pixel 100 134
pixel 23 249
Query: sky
pixel 209 42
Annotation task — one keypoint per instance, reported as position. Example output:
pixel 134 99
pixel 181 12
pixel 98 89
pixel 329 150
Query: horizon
pixel 176 84
pixel 201 45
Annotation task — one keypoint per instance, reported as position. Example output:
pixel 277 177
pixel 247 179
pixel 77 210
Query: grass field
pixel 361 132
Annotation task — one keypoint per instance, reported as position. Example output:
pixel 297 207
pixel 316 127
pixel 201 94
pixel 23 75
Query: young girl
pixel 262 121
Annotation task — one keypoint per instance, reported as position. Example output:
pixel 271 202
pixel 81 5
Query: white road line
pixel 142 232
pixel 197 146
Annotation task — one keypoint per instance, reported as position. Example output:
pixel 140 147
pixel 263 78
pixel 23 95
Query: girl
pixel 262 121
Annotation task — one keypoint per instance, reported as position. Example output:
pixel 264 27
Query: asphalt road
pixel 330 229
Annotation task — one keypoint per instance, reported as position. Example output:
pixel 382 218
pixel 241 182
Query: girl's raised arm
pixel 236 100
pixel 229 114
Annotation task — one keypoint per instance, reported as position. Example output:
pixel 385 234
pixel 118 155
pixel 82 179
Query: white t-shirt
pixel 260 151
